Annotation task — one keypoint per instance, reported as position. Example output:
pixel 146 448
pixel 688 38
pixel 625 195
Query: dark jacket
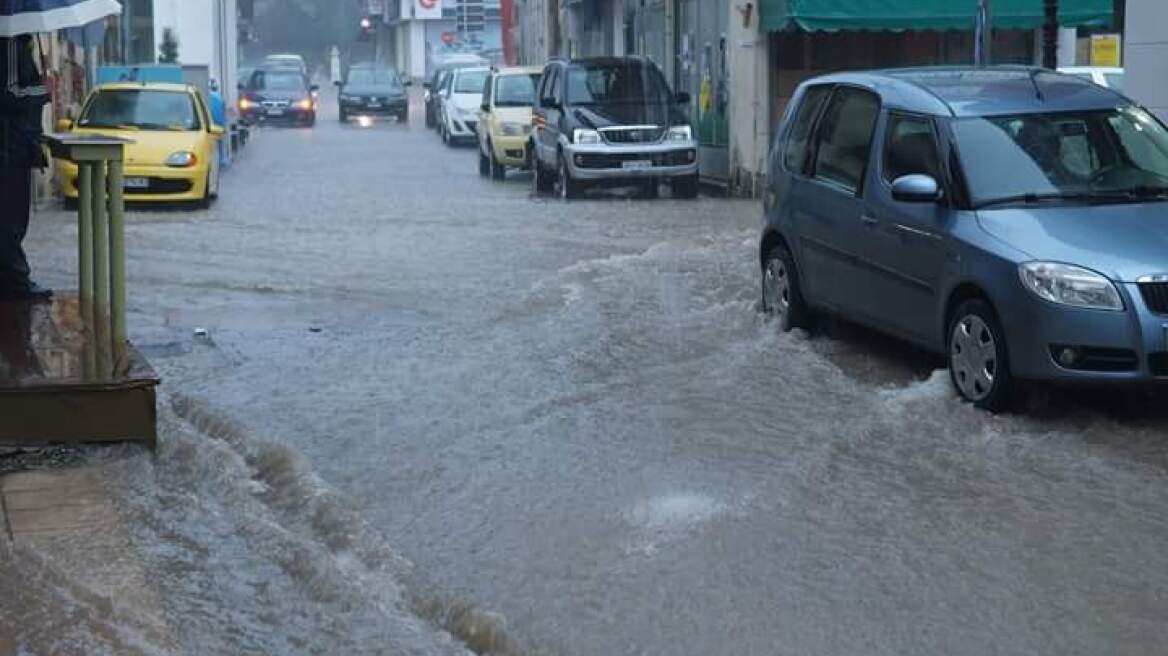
pixel 22 98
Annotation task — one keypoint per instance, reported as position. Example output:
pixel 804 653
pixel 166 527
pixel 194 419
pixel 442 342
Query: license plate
pixel 637 164
pixel 135 183
pixel 374 105
pixel 275 112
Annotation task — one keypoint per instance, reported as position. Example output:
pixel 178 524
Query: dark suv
pixel 611 121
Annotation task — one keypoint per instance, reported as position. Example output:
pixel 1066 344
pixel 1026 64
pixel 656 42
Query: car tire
pixel 344 116
pixel 782 291
pixel 649 190
pixel 430 122
pixel 204 203
pixel 541 181
pixel 498 171
pixel 213 190
pixel 686 188
pixel 567 187
pixel 484 164
pixel 403 117
pixel 447 138
pixel 979 363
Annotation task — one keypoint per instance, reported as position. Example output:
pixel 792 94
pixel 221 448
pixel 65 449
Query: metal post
pixel 117 254
pixel 85 240
pixel 1050 26
pixel 101 270
pixel 983 46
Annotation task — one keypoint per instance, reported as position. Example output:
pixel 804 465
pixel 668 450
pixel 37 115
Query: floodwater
pixel 429 409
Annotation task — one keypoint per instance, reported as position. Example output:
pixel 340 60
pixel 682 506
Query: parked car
pixel 1012 219
pixel 173 144
pixel 460 98
pixel 505 120
pixel 611 121
pixel 373 90
pixel 432 96
pixel 278 95
pixel 1104 76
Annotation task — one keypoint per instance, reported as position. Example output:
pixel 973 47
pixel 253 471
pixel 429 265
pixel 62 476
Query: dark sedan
pixel 278 95
pixel 373 91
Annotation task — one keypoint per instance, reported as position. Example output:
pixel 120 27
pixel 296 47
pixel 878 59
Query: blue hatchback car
pixel 1014 219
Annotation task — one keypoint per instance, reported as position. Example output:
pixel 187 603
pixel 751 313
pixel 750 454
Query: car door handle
pixel 869 220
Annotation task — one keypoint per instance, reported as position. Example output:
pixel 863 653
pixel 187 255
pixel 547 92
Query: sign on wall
pixel 1105 50
pixel 428 9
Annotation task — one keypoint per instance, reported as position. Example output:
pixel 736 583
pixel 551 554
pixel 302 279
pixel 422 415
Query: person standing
pixel 22 100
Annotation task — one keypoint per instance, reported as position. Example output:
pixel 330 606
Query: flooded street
pixel 421 402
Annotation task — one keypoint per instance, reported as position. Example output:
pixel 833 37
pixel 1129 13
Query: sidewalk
pixel 67 564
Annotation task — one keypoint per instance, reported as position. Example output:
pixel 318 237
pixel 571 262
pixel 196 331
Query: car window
pixel 470 81
pixel 548 98
pixel 795 155
pixel 910 148
pixel 515 90
pixel 373 77
pixel 145 110
pixel 1062 153
pixel 284 80
pixel 845 136
pixel 617 83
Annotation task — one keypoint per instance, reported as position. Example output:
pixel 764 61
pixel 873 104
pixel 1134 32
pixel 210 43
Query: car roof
pixel 519 70
pixel 472 69
pixel 629 59
pixel 979 91
pixel 147 86
pixel 285 56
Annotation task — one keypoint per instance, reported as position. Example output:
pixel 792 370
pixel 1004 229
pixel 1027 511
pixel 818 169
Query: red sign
pixel 428 4
pixel 448 37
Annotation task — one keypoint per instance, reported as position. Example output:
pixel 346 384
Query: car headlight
pixel 1067 284
pixel 513 129
pixel 247 103
pixel 304 103
pixel 585 137
pixel 680 133
pixel 182 159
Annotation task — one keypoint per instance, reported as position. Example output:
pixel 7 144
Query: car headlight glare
pixel 304 103
pixel 1067 284
pixel 182 159
pixel 680 133
pixel 586 137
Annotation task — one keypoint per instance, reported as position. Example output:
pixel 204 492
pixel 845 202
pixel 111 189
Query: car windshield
pixel 143 110
pixel 617 84
pixel 280 80
pixel 516 90
pixel 373 77
pixel 470 81
pixel 1073 155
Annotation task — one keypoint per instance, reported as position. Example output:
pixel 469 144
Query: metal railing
pixel 101 247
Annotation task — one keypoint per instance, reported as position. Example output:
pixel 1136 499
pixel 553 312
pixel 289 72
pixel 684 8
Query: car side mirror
pixel 485 107
pixel 682 98
pixel 217 130
pixel 339 84
pixel 314 88
pixel 916 188
pixel 64 125
pixel 408 83
pixel 426 85
pixel 241 87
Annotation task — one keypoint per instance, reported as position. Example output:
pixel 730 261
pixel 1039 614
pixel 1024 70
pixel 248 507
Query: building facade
pixel 1145 54
pixel 421 33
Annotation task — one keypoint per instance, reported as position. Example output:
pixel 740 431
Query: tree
pixel 168 49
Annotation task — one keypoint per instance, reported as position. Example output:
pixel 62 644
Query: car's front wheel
pixel 484 164
pixel 498 170
pixel 568 187
pixel 344 116
pixel 541 181
pixel 686 187
pixel 978 358
pixel 782 295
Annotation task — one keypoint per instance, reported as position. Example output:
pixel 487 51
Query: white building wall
pixel 208 35
pixel 1145 54
pixel 750 129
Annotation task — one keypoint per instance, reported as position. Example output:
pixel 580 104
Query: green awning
pixel 896 15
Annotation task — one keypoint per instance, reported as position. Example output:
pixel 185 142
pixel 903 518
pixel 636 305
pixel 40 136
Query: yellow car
pixel 505 120
pixel 174 155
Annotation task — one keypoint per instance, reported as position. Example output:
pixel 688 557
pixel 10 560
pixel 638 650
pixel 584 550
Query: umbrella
pixel 31 16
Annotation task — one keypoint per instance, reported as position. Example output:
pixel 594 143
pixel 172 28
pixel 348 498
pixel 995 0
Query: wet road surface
pixel 423 392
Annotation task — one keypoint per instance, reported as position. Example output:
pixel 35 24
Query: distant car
pixel 172 154
pixel 505 120
pixel 461 97
pixel 278 95
pixel 373 90
pixel 1104 76
pixel 1011 218
pixel 611 121
pixel 295 61
pixel 431 97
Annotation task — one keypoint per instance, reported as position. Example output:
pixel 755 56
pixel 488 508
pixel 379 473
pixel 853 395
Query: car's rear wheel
pixel 782 295
pixel 498 170
pixel 686 187
pixel 978 358
pixel 566 185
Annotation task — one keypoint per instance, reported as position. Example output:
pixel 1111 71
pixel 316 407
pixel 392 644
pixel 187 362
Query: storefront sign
pixel 428 9
pixel 1105 50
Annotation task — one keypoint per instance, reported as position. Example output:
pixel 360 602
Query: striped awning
pixel 896 15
